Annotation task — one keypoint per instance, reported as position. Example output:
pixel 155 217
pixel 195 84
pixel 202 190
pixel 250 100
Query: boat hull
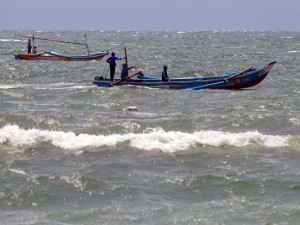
pixel 227 81
pixel 53 56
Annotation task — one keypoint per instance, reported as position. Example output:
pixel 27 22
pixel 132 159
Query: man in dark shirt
pixel 112 65
pixel 164 74
pixel 29 47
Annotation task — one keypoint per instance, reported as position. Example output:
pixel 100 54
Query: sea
pixel 73 153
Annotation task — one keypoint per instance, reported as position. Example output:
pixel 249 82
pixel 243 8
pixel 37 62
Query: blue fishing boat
pixel 246 78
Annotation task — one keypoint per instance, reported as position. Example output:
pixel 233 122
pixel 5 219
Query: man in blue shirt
pixel 112 65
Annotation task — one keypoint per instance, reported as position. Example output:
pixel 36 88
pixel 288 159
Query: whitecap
pixel 150 139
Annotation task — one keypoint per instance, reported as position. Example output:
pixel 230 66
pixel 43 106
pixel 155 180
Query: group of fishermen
pixel 124 71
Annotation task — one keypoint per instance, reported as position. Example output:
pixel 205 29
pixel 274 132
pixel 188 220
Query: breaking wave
pixel 150 139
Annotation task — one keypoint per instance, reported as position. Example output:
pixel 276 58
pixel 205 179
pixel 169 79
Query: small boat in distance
pixel 246 78
pixel 56 56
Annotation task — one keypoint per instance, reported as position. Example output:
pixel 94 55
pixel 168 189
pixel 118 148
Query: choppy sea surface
pixel 70 152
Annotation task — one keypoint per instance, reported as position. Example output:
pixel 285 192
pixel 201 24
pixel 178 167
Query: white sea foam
pixel 17 171
pixel 13 86
pixel 10 40
pixel 151 139
pixel 293 51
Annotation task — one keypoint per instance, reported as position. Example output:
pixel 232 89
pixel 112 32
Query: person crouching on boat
pixel 34 50
pixel 124 72
pixel 164 74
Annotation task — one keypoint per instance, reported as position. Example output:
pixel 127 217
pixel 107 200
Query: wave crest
pixel 150 139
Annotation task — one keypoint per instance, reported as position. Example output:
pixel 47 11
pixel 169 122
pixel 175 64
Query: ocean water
pixel 70 152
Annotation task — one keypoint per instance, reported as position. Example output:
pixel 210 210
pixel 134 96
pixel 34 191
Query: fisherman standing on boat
pixel 29 46
pixel 124 72
pixel 112 65
pixel 164 74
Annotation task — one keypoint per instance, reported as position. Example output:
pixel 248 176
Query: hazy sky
pixel 182 15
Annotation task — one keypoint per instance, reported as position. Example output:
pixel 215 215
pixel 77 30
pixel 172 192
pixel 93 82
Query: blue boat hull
pixel 228 81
